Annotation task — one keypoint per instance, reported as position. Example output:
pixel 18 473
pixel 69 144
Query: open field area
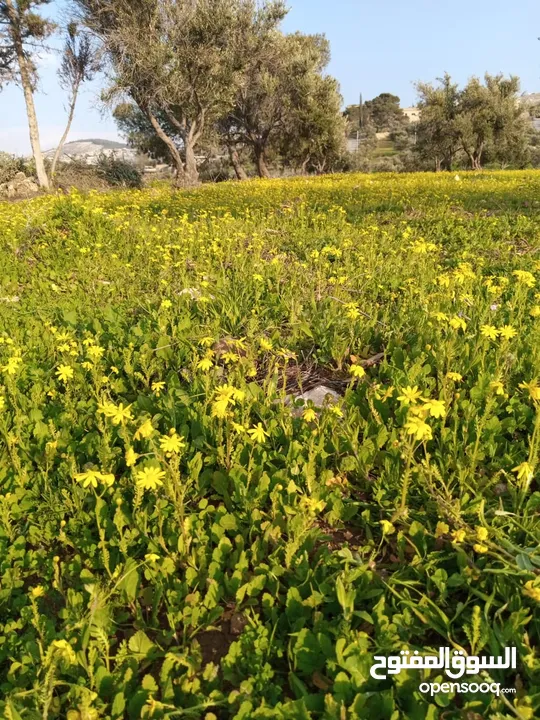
pixel 179 537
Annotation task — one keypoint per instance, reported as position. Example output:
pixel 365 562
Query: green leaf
pixel 70 317
pixel 130 579
pixel 149 684
pixel 118 706
pixel 140 644
pixel 228 522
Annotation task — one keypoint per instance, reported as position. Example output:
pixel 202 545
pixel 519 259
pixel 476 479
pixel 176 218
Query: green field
pixel 180 537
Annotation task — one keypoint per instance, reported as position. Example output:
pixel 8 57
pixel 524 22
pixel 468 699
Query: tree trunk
pixel 471 158
pixel 241 174
pixel 321 167
pixel 477 157
pixel 446 164
pixel 63 139
pixel 192 173
pixel 26 82
pixel 260 161
pixel 175 154
pixel 437 164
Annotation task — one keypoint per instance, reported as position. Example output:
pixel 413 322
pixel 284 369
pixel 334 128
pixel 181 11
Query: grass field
pixel 178 538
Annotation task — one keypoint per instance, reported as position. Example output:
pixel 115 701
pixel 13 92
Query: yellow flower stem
pixel 406 476
pixel 102 538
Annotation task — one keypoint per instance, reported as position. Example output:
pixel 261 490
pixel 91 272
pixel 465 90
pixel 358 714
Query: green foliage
pixel 178 537
pixel 10 165
pixel 478 121
pixel 180 63
pixel 118 172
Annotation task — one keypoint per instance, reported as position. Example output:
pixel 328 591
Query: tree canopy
pixel 483 119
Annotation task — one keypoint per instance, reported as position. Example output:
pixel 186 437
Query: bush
pixel 215 170
pixel 118 172
pixel 78 174
pixel 10 165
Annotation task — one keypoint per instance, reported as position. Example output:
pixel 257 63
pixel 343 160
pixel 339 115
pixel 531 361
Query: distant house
pixel 412 113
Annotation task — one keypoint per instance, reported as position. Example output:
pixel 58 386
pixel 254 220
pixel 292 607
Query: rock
pixel 19 186
pixel 319 396
pixel 193 293
pixel 26 188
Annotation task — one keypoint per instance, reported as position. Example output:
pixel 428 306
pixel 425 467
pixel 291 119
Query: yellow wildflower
pixel 12 365
pixel 120 415
pixel 352 311
pixel 524 471
pixel 64 372
pixel 220 408
pixel 409 395
pixel 131 457
pixel 497 387
pixel 91 478
pixel 437 408
pixel 531 590
pixel 172 444
pixel 417 427
pixel 157 388
pixel 481 534
pixel 490 332
pixel 458 323
pixel 481 549
pixel 507 332
pixel 525 277
pixel 258 433
pixel 441 529
pixel 145 431
pixel 533 389
pixel 357 371
pixel 149 478
pixel 95 352
pixel 205 364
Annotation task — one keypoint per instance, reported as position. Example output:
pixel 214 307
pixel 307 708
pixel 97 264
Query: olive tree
pixel 181 62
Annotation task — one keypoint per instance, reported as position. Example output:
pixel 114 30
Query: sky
pixel 377 46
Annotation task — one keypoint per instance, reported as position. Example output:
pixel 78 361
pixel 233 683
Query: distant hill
pixel 89 151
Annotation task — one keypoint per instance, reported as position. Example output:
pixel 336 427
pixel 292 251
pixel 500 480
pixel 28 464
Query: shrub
pixel 78 174
pixel 10 165
pixel 118 172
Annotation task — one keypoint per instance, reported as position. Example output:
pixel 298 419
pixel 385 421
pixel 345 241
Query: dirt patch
pixel 336 538
pixel 215 643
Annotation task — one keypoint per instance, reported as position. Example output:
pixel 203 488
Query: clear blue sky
pixel 377 46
